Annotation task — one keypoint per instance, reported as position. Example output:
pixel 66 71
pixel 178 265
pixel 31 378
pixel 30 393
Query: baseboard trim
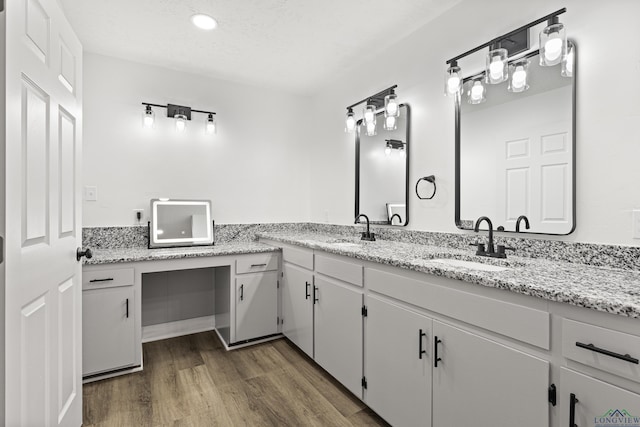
pixel 178 328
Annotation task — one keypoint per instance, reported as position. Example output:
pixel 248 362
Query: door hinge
pixel 364 311
pixel 364 382
pixel 552 394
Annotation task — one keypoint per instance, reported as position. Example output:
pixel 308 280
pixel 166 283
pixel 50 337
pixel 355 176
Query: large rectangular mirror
pixel 177 223
pixel 382 171
pixel 515 154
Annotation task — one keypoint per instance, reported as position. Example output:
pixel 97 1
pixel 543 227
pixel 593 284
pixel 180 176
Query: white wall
pixel 608 137
pixel 256 169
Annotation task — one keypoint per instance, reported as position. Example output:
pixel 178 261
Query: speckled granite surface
pixel 605 289
pixel 114 255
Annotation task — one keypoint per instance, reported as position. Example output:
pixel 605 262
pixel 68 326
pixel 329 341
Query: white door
pixel 398 361
pixel 43 301
pixel 297 306
pixel 256 305
pixel 338 332
pixel 479 382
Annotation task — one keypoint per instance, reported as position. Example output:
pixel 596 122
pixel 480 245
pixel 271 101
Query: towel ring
pixel 431 179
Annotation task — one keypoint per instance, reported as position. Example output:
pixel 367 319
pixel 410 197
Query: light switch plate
pixel 635 223
pixel 91 193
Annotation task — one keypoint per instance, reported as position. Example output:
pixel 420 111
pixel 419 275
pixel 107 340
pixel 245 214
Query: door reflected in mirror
pixel 515 154
pixel 382 171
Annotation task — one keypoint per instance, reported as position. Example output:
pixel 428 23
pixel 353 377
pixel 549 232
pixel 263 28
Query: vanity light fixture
pixel 497 68
pixel 518 72
pixel 453 80
pixel 350 121
pixel 553 43
pixel 385 100
pixel 554 49
pixel 394 144
pixel 180 113
pixel 148 117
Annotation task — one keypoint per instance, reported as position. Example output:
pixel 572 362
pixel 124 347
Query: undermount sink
pixel 472 265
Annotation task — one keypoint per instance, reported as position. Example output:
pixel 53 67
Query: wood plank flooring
pixel 193 381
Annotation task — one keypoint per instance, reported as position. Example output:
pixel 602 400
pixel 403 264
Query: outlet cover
pixel 91 193
pixel 635 224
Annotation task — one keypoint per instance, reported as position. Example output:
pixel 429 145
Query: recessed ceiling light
pixel 204 22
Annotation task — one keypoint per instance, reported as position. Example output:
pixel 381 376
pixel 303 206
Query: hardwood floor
pixel 193 381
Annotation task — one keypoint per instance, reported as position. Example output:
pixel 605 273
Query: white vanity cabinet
pixel 488 380
pixel 398 363
pixel 108 319
pixel 297 305
pixel 256 297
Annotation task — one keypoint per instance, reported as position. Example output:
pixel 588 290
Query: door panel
pixel 297 306
pixel 256 305
pixel 43 303
pixel 479 379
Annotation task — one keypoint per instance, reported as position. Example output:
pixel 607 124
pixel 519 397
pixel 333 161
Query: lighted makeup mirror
pixel 177 223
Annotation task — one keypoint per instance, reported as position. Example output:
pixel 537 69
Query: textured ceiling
pixel 293 45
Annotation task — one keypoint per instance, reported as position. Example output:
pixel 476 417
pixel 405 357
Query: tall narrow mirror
pixel 382 171
pixel 515 153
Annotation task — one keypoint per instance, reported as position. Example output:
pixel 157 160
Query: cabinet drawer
pixel 600 340
pixel 512 320
pixel 256 263
pixel 301 257
pixel 339 269
pixel 107 278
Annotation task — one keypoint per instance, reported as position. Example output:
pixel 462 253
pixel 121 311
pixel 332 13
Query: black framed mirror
pixel 382 171
pixel 516 153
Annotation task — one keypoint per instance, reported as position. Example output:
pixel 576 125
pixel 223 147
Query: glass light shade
pixel 476 93
pixel 391 107
pixel 148 118
pixel 210 127
pixel 497 69
pixel 553 44
pixel 350 121
pixel 181 122
pixel 390 123
pixel 371 129
pixel 387 150
pixel 452 81
pixel 519 73
pixel 369 114
pixel 401 152
pixel 568 62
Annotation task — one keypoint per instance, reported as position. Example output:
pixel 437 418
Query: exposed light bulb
pixel 210 127
pixel 452 84
pixel 402 153
pixel 496 66
pixel 371 129
pixel 553 43
pixel 181 122
pixel 452 80
pixel 496 69
pixel 519 77
pixel 370 114
pixel 476 95
pixel 148 117
pixel 390 123
pixel 392 108
pixel 350 121
pixel 387 150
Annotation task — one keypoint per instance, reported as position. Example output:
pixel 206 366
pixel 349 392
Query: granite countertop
pixel 109 256
pixel 605 289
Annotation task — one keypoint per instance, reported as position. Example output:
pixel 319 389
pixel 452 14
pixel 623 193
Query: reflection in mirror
pixel 180 223
pixel 382 171
pixel 515 154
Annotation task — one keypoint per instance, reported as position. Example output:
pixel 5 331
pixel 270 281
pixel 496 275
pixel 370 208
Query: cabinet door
pixel 108 329
pixel 481 382
pixel 338 332
pixel 297 306
pixel 398 373
pixel 597 403
pixel 256 305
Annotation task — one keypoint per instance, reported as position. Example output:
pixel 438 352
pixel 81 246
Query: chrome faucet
pixel 490 249
pixel 366 235
pixel 393 216
pixel 526 222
